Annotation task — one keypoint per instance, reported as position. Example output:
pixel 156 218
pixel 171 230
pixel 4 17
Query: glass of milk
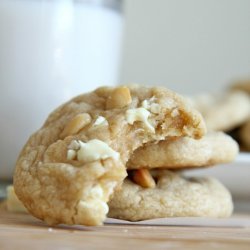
pixel 51 50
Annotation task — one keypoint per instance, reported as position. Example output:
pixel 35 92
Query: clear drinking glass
pixel 51 50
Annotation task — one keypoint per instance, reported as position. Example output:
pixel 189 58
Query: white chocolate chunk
pixel 100 121
pixel 74 145
pixel 94 150
pixel 96 192
pixel 139 114
pixel 155 108
pixel 71 154
pixel 175 112
pixel 151 105
pixel 145 104
pixel 108 188
pixel 95 205
pixel 95 200
pixel 13 203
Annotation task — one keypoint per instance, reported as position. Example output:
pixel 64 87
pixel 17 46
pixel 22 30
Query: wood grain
pixel 22 231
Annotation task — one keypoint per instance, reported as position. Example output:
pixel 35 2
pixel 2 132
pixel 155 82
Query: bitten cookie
pixel 185 152
pixel 68 169
pixel 173 196
pixel 223 111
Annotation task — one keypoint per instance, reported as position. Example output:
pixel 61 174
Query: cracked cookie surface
pixel 68 169
pixel 173 196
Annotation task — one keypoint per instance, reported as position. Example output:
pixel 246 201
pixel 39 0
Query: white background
pixel 190 46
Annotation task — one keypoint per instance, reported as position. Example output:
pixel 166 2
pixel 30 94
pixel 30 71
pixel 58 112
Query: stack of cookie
pixel 114 152
pixel 156 189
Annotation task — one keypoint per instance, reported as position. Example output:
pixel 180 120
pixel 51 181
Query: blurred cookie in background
pixel 223 111
pixel 244 136
pixel 242 85
pixel 228 111
pixel 242 133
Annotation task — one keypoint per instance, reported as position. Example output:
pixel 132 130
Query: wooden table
pixel 22 231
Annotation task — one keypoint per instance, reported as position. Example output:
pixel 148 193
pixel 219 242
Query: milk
pixel 49 52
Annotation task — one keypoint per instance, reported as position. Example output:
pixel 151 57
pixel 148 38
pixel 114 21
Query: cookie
pixel 243 85
pixel 185 152
pixel 244 135
pixel 13 203
pixel 68 169
pixel 224 112
pixel 173 196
